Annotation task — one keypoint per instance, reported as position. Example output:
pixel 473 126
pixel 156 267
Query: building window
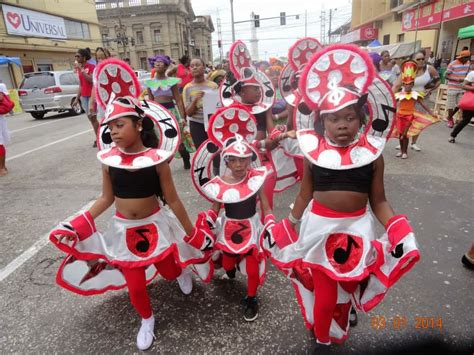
pixel 144 63
pixel 44 67
pixel 156 36
pixel 159 51
pixel 139 37
pixel 395 3
pixel 397 17
pixel 386 39
pixel 75 29
pixel 400 37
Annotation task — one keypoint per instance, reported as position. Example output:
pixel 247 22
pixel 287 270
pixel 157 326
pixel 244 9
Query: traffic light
pixel 282 18
pixel 219 43
pixel 256 20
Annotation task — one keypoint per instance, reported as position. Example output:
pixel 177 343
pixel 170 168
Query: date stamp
pixel 399 322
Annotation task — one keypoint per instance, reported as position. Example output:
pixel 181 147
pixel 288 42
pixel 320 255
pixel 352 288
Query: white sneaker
pixel 146 334
pixel 398 155
pixel 404 156
pixel 415 148
pixel 185 282
pixel 397 147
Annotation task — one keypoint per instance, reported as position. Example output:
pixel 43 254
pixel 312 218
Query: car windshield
pixel 37 80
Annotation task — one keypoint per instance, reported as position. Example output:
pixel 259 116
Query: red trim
pixel 119 215
pixel 365 273
pixel 223 247
pixel 323 211
pixel 299 299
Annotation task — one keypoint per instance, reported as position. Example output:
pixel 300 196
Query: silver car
pixel 142 75
pixel 45 91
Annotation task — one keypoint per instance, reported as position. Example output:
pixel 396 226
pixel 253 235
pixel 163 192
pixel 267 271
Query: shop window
pixel 139 37
pixel 156 36
pixel 44 67
pixel 400 38
pixel 386 39
pixel 75 29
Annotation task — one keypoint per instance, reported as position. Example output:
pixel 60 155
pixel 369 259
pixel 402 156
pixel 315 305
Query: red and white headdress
pixel 114 78
pixel 298 55
pixel 122 107
pixel 334 78
pixel 224 125
pixel 238 148
pixel 246 74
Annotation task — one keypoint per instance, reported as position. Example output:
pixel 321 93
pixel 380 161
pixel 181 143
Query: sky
pixel 274 40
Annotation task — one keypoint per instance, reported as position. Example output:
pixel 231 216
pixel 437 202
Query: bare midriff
pixel 136 208
pixel 342 201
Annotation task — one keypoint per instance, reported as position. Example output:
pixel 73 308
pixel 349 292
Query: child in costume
pixel 145 237
pixel 336 260
pixel 164 90
pixel 6 105
pixel 407 99
pixel 239 228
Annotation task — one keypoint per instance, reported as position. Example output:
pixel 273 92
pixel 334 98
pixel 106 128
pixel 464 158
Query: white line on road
pixel 41 124
pixel 27 254
pixel 47 145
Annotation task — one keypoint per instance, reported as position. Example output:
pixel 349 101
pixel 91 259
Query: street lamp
pixel 232 19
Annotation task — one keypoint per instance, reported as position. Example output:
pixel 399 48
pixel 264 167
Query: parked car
pixel 142 75
pixel 45 91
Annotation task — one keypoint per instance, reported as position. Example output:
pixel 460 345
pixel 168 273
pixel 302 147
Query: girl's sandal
pixel 452 140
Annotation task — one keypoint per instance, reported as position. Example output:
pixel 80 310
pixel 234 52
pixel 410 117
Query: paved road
pixel 53 173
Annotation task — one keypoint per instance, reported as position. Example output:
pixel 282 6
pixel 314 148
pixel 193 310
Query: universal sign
pixel 28 23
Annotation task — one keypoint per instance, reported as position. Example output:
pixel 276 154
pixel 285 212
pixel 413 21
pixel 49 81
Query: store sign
pixel 409 22
pixel 365 33
pixel 28 23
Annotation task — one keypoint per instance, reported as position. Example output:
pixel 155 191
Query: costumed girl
pixel 164 90
pixel 336 259
pixel 145 237
pixel 406 113
pixel 6 105
pixel 247 86
pixel 235 191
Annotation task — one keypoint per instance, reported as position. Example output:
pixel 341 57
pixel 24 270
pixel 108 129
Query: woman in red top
pixel 84 72
pixel 183 72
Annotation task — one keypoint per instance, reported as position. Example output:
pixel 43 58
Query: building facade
pixel 44 34
pixel 138 29
pixel 434 23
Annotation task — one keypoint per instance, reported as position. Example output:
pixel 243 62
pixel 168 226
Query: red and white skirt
pixel 93 264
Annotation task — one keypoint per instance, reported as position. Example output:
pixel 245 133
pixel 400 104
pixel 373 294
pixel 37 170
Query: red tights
pixel 325 300
pixel 251 266
pixel 136 283
pixel 3 151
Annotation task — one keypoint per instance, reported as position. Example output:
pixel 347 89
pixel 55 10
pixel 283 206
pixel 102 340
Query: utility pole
pixel 232 19
pixel 323 26
pixel 253 38
pixel 330 22
pixel 219 37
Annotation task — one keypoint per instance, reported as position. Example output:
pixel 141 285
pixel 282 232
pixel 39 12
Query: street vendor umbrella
pixel 466 32
pixel 6 60
pixel 374 43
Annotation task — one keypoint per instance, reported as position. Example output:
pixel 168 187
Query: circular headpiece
pixel 300 52
pixel 228 121
pixel 240 60
pixel 336 77
pixel 114 78
pixel 380 113
pixel 408 69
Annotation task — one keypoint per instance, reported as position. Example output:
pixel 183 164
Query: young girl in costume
pixel 407 99
pixel 336 259
pixel 144 237
pixel 164 90
pixel 238 229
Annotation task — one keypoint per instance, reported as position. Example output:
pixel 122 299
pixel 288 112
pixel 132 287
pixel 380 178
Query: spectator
pixel 386 68
pixel 431 59
pixel 193 94
pixel 467 115
pixel 184 72
pixel 455 74
pixel 4 133
pixel 84 72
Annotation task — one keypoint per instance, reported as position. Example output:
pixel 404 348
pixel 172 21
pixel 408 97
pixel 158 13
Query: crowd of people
pixel 310 120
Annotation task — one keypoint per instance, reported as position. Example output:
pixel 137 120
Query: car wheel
pixel 75 109
pixel 38 114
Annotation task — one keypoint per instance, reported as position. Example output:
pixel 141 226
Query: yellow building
pixel 432 22
pixel 45 34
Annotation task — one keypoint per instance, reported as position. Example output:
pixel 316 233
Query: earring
pixel 140 129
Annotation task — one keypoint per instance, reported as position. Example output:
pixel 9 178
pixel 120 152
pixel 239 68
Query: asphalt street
pixel 54 173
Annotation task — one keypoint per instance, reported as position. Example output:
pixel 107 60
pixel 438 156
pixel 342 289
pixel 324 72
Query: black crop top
pixel 139 183
pixel 243 209
pixel 357 179
pixel 261 121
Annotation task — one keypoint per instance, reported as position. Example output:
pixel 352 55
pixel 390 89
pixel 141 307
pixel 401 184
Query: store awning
pixel 466 32
pixel 374 43
pixel 6 60
pixel 399 50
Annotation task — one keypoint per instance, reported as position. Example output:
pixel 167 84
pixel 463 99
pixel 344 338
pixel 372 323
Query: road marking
pixel 47 145
pixel 41 124
pixel 27 254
